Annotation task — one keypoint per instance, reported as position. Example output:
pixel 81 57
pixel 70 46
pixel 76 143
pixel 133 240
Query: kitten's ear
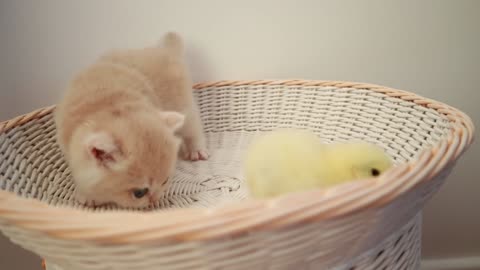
pixel 172 120
pixel 101 146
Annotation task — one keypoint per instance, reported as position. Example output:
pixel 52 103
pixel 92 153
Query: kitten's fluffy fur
pixel 118 121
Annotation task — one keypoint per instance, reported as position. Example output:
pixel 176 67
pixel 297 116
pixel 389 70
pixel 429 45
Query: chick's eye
pixel 375 172
pixel 140 192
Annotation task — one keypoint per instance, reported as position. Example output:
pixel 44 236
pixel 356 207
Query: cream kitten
pixel 118 123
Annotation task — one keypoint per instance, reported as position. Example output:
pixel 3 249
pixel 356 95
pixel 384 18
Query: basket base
pixel 402 250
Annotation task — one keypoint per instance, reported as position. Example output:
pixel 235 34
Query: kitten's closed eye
pixel 140 192
pixel 165 182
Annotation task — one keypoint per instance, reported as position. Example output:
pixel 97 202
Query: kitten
pixel 123 122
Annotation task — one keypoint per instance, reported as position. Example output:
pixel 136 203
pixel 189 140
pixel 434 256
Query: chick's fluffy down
pixel 285 161
pixel 282 161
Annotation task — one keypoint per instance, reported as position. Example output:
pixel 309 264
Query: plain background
pixel 429 47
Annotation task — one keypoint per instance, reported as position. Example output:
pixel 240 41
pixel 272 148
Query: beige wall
pixel 430 47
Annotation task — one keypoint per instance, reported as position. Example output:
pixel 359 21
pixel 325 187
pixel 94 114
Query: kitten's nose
pixel 152 200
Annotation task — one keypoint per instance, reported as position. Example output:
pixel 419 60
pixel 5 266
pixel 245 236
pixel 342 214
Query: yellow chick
pixel 285 161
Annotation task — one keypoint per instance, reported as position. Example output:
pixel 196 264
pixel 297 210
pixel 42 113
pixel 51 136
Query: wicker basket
pixel 372 224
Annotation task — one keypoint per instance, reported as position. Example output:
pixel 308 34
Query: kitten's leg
pixel 193 138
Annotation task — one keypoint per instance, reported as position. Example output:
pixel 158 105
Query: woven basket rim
pixel 187 224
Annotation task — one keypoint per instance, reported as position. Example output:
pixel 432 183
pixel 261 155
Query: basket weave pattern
pixel 363 225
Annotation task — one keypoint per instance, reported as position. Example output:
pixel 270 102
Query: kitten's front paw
pixel 194 148
pixel 83 200
pixel 195 155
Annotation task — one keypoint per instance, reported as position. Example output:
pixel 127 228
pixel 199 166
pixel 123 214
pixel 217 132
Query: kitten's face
pixel 140 180
pixel 129 167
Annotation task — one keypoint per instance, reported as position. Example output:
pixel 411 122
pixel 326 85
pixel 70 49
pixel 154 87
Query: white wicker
pixel 205 223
